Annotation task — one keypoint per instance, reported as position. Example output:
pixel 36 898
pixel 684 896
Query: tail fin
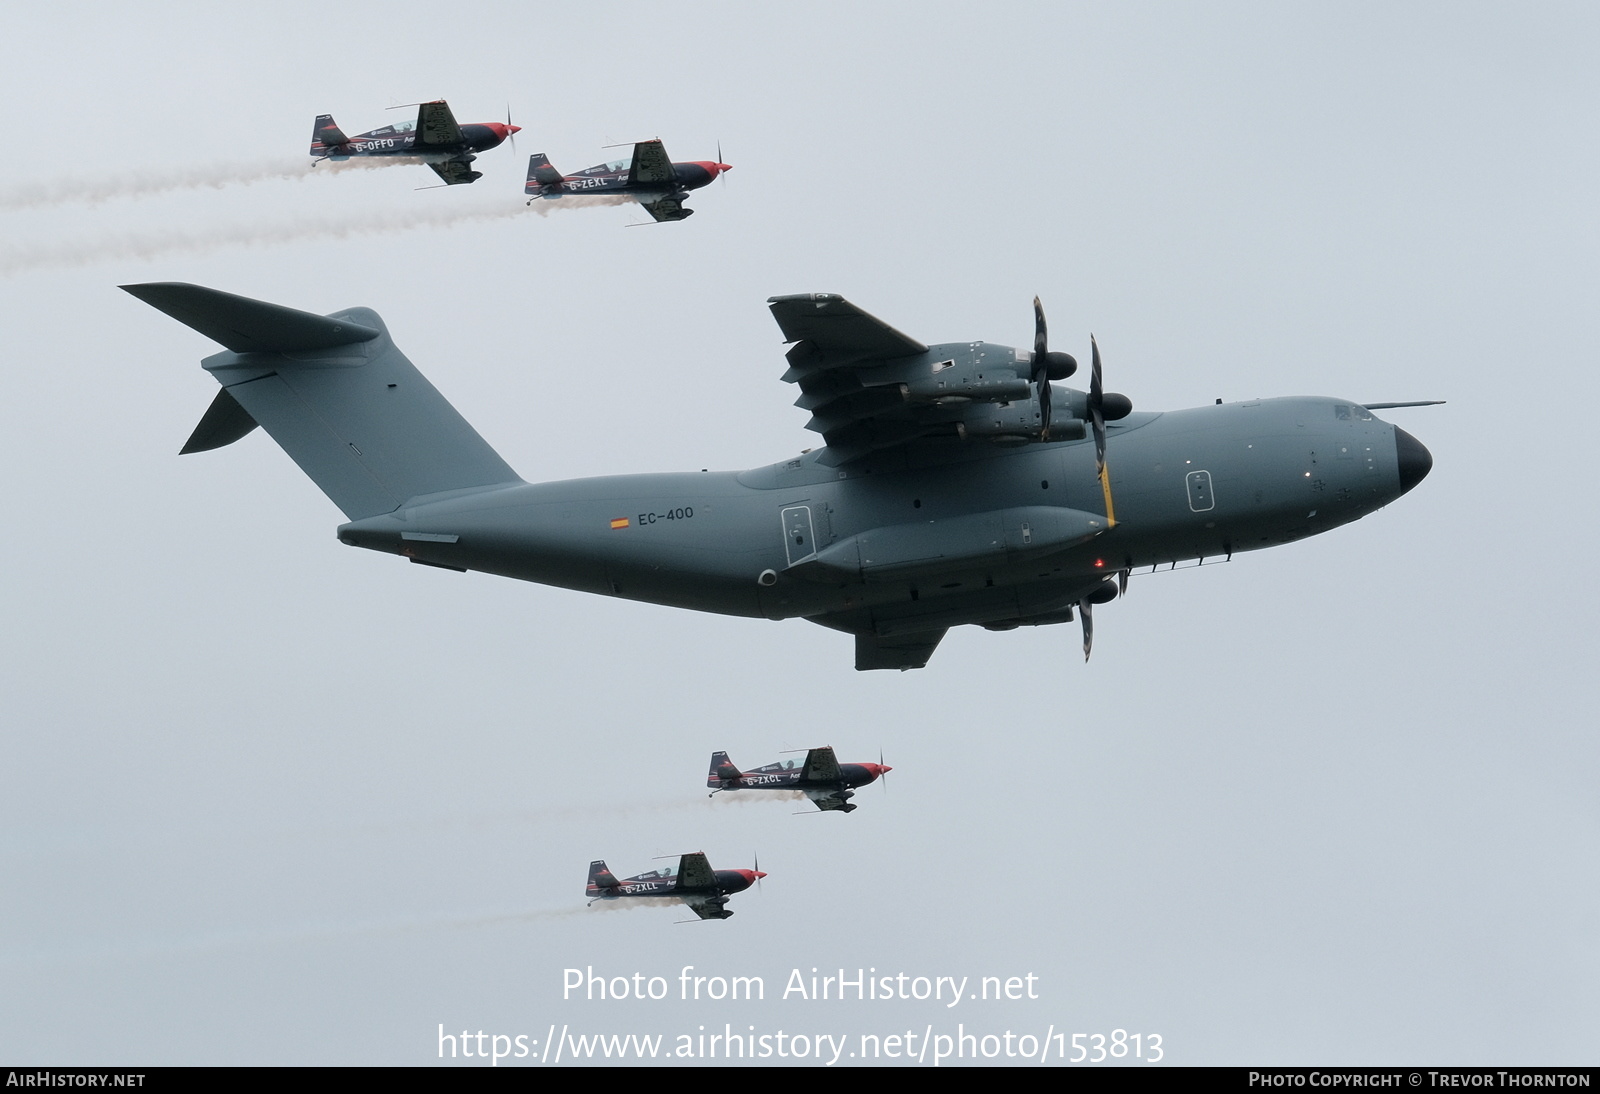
pixel 326 136
pixel 336 394
pixel 541 176
pixel 721 768
pixel 600 879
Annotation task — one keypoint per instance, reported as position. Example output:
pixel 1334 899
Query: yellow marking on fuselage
pixel 1105 488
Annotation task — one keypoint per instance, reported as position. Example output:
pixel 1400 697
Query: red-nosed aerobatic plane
pixel 650 178
pixel 694 882
pixel 820 777
pixel 434 138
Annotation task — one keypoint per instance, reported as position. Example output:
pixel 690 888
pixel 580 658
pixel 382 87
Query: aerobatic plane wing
pixel 826 799
pixel 650 165
pixel 821 766
pixel 694 872
pixel 707 907
pixel 454 171
pixel 668 208
pixel 436 126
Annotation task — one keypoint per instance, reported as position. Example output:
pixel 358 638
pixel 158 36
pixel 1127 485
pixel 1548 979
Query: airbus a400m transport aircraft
pixel 957 485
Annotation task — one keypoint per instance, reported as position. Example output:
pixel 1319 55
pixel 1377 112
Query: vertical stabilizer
pixel 721 768
pixel 601 879
pixel 337 394
pixel 326 137
pixel 542 178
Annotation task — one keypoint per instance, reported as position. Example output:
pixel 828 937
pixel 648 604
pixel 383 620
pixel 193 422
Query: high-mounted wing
pixel 821 766
pixel 869 387
pixel 694 872
pixel 834 333
pixel 835 343
pixel 455 172
pixel 436 126
pixel 650 165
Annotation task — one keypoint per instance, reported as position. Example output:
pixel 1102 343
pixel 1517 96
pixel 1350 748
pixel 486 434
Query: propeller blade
pixel 1040 366
pixel 1097 422
pixel 1122 582
pixel 1097 404
pixel 883 776
pixel 511 131
pixel 1086 613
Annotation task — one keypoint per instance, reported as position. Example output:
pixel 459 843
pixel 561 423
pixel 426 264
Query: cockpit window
pixel 1346 412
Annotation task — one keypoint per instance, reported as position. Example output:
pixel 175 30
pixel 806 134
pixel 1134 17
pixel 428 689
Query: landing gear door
pixel 799 538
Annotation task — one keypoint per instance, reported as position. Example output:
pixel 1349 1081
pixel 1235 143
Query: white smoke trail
pixel 734 797
pixel 248 937
pixel 138 184
pixel 629 903
pixel 16 260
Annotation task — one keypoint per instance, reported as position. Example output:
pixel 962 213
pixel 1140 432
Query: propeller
pixel 883 776
pixel 511 132
pixel 1046 366
pixel 759 874
pixel 1102 593
pixel 1103 408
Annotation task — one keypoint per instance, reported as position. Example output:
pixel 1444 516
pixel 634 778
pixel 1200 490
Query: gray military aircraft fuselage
pixel 946 494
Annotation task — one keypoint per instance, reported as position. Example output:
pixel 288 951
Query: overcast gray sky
pixel 269 800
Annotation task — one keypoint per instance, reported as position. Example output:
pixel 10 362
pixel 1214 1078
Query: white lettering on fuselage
pixel 765 780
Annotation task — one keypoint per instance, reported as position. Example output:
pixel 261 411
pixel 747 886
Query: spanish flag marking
pixel 620 522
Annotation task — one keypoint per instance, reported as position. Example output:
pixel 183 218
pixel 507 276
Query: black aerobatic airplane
pixel 650 178
pixel 820 777
pixel 434 138
pixel 694 882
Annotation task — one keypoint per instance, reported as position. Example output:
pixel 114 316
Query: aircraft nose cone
pixel 724 167
pixel 1414 459
pixel 513 129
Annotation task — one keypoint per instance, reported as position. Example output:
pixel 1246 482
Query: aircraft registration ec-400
pixel 957 485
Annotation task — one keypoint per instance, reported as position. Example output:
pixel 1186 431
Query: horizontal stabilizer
pixel 248 326
pixel 225 421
